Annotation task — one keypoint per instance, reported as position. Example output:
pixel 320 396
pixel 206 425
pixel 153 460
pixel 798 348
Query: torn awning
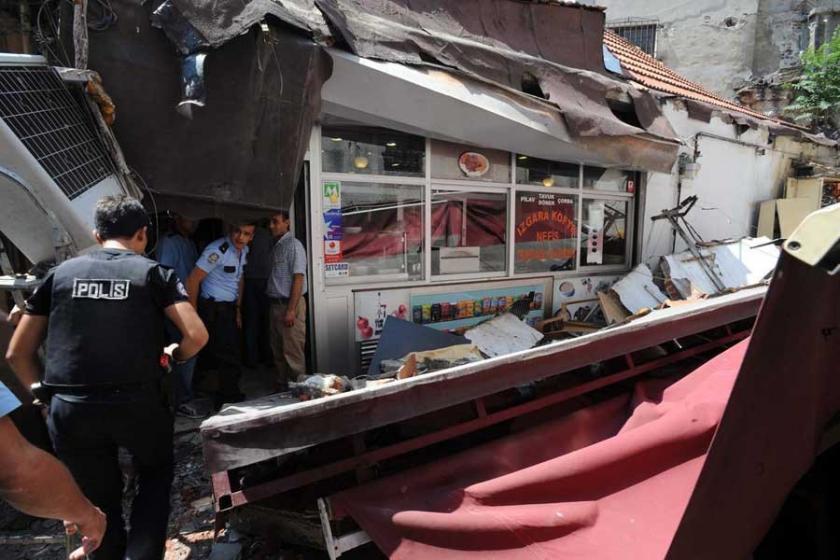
pixel 240 154
pixel 256 89
pixel 610 481
pixel 648 476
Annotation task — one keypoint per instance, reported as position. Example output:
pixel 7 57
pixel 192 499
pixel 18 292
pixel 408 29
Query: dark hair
pixel 281 212
pixel 119 217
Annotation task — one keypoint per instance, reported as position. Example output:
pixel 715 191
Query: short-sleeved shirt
pixel 8 401
pixel 289 259
pixel 178 253
pixel 106 316
pixel 224 266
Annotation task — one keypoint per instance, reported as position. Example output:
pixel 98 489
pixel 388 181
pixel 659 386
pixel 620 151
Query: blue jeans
pixel 183 373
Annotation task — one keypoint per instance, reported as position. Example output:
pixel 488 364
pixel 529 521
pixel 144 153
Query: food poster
pixel 580 294
pixel 331 204
pixel 460 310
pixel 546 231
pixel 372 308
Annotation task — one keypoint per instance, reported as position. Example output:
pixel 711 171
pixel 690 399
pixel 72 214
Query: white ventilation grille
pixel 58 131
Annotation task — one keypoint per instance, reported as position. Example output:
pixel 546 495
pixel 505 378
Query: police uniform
pixel 217 301
pixel 104 340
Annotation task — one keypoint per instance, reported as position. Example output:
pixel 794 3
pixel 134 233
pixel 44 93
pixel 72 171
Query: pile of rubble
pixel 706 270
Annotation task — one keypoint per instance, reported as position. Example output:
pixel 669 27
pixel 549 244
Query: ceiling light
pixel 360 162
pixel 548 181
pixel 390 144
pixel 522 157
pixel 395 165
pixel 336 139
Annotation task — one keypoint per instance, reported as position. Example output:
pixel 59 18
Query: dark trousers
pixel 86 436
pixel 222 350
pixel 255 314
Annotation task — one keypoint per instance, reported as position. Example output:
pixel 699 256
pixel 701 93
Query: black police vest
pixel 105 327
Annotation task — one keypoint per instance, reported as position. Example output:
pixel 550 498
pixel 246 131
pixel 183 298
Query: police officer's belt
pixel 103 390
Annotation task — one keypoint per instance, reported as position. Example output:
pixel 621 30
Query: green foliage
pixel 818 90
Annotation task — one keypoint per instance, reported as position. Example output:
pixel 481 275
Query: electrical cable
pixel 145 187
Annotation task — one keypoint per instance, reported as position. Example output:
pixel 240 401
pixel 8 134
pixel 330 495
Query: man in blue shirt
pixel 177 251
pixel 215 288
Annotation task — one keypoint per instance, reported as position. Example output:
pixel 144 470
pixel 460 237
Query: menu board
pixel 455 310
pixel 545 227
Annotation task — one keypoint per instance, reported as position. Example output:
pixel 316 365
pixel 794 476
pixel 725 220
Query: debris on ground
pixel 502 335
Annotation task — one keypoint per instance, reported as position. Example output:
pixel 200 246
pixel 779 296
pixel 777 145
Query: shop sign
pixel 546 228
pixel 331 202
pixel 332 195
pixel 337 270
pixel 460 310
pixel 332 251
pixel 473 164
pixel 373 308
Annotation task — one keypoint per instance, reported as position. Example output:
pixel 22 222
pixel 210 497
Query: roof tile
pixel 652 73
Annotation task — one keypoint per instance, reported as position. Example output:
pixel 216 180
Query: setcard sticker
pixel 337 270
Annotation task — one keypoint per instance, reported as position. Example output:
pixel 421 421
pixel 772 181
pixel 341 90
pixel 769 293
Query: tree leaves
pixel 818 89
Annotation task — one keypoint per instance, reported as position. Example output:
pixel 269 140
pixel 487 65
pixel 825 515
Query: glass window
pixel 614 180
pixel 469 232
pixel 373 229
pixel 468 163
pixel 535 171
pixel 546 232
pixel 372 151
pixel 603 233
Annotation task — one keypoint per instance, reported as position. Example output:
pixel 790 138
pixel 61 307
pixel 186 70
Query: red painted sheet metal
pixel 610 481
pixel 641 479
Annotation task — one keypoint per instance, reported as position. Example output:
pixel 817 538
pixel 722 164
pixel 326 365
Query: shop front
pixel 446 234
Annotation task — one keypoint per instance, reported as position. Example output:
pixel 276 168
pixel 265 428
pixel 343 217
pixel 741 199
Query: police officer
pixel 105 312
pixel 215 288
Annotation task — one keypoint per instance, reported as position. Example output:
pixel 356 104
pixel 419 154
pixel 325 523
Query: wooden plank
pixel 767 219
pixel 265 432
pixel 614 311
pixel 791 213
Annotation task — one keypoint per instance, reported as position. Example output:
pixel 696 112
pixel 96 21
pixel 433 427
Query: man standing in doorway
pixel 215 288
pixel 102 315
pixel 177 251
pixel 286 288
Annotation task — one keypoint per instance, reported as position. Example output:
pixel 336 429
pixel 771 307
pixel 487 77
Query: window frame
pixel 510 189
pixel 493 188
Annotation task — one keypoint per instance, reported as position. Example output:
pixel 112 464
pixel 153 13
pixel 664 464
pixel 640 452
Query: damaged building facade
pixel 435 176
pixel 748 48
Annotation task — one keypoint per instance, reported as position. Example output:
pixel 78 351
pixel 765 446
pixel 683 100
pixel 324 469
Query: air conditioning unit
pixel 55 162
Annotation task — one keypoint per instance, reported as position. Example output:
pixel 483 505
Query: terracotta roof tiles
pixel 652 73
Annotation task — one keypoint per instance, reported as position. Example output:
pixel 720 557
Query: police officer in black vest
pixel 103 317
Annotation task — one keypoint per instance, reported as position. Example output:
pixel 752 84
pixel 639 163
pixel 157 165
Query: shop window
pixel 603 239
pixel 372 151
pixel 469 232
pixel 373 229
pixel 545 232
pixel 611 180
pixel 535 171
pixel 468 163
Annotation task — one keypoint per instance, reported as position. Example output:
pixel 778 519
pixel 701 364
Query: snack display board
pixel 372 308
pixel 463 309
